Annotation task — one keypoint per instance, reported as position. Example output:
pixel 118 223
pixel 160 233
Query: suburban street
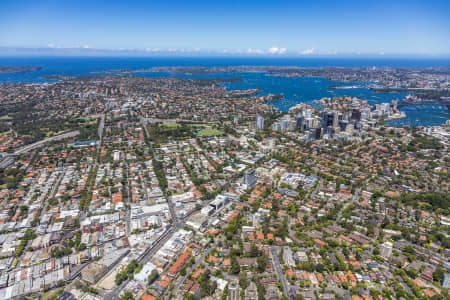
pixel 355 199
pixel 279 269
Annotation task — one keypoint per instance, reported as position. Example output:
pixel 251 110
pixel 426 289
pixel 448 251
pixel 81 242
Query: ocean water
pixel 294 90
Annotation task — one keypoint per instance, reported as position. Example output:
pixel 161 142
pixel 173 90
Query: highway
pixel 146 121
pixel 9 160
pixel 51 139
pixel 6 162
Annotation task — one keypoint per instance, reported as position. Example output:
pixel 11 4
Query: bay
pixel 294 90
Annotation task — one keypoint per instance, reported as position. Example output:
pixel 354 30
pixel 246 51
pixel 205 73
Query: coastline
pixel 304 90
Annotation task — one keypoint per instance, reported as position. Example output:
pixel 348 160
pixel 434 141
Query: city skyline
pixel 286 28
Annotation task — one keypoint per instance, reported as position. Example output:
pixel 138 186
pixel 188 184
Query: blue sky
pixel 275 27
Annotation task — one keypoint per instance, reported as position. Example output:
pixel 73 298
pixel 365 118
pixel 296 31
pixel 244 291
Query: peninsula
pixel 18 69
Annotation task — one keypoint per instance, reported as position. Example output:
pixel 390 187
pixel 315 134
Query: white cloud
pixel 54 46
pixel 308 51
pixel 86 46
pixel 277 50
pixel 254 51
pixel 153 49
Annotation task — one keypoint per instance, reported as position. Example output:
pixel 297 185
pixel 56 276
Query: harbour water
pixel 294 90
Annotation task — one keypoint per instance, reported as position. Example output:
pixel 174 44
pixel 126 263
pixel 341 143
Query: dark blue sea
pixel 295 90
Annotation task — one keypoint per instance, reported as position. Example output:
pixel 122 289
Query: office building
pixel 318 133
pixel 259 122
pixel 284 124
pixel 335 119
pixel 300 122
pixel 356 114
pixel 250 178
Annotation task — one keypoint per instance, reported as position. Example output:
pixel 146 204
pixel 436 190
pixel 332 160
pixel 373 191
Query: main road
pixel 198 260
pixel 143 259
pixel 9 160
pixel 51 139
pixel 279 270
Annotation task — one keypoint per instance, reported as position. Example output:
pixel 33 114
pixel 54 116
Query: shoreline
pixel 281 103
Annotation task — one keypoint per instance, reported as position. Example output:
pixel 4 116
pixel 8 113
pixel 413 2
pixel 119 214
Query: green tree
pixel 127 296
pixel 254 252
pixel 261 261
pixel 243 280
pixel 438 274
pixel 235 268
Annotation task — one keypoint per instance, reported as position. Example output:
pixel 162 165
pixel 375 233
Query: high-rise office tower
pixel 259 122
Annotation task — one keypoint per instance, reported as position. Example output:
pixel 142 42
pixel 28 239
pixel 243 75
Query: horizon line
pixel 183 52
